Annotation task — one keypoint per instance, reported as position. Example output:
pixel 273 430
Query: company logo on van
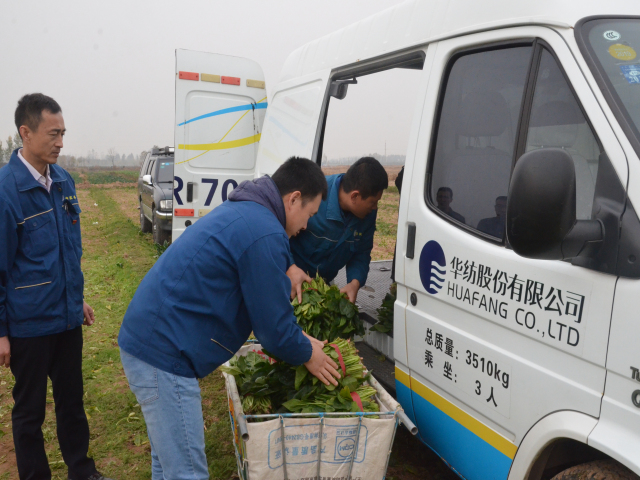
pixel 433 267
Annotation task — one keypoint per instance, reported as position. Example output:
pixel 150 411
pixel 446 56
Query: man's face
pixel 44 144
pixel 444 199
pixel 501 208
pixel 298 215
pixel 361 207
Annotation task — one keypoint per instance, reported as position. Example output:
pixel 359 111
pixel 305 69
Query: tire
pixel 160 236
pixel 598 470
pixel 145 225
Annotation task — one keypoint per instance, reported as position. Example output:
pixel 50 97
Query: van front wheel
pixel 598 470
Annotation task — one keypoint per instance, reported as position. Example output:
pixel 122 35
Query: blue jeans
pixel 172 409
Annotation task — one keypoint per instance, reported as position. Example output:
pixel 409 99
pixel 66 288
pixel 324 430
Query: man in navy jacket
pixel 41 293
pixel 222 279
pixel 342 232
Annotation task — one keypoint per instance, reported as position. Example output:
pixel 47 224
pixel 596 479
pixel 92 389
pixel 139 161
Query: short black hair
pixel 300 174
pixel 30 107
pixel 367 176
pixel 445 189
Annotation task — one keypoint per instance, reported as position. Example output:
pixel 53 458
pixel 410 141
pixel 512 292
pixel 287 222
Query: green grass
pixel 76 177
pixel 103 177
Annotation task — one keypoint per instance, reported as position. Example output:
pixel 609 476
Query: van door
pixel 220 107
pixel 495 341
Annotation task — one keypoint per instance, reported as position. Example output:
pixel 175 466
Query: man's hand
pixel 5 351
pixel 297 276
pixel 351 289
pixel 320 364
pixel 89 317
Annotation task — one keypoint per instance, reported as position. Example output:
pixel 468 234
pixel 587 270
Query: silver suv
pixel 155 194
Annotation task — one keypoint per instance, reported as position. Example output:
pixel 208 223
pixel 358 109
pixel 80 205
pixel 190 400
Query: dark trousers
pixel 59 357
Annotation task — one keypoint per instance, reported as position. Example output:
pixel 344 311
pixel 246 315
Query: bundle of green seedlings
pixel 272 386
pixel 325 313
pixel 385 312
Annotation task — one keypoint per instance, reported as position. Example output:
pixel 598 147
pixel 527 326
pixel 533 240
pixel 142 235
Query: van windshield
pixel 614 45
pixel 164 170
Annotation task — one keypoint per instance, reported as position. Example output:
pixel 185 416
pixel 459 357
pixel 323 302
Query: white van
pixel 517 355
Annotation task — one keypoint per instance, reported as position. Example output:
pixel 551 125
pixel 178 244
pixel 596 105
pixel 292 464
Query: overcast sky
pixel 110 65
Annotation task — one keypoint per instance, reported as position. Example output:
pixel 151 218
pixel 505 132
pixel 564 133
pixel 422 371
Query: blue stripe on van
pixel 468 454
pixel 240 108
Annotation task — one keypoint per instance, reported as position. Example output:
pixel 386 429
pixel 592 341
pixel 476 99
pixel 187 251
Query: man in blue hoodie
pixel 223 278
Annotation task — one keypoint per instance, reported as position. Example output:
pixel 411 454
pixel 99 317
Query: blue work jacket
pixel 41 283
pixel 334 238
pixel 224 277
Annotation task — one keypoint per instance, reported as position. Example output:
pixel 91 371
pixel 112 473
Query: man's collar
pixel 334 212
pixel 23 176
pixel 36 174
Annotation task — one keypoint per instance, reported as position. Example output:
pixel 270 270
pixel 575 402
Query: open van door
pixel 220 107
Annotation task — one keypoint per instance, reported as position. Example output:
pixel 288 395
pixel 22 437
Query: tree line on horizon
pixel 111 159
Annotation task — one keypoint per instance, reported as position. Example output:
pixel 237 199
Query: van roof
pixel 418 22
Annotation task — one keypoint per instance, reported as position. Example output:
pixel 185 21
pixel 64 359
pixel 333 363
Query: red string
pixel 344 370
pixel 356 398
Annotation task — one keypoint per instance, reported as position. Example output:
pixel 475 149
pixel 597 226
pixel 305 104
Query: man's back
pixel 190 313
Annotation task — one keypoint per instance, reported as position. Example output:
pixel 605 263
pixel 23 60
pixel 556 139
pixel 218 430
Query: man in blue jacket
pixel 342 231
pixel 41 293
pixel 223 278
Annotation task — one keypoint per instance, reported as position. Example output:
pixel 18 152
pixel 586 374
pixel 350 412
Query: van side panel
pixel 476 451
pixel 617 431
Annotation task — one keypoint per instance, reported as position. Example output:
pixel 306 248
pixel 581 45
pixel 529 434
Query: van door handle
pixel 411 240
pixel 190 192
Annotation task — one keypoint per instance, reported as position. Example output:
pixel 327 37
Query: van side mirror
pixel 541 208
pixel 338 88
pixel 146 179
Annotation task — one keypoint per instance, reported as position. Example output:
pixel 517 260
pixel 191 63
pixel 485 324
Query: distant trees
pixel 111 159
pixel 11 144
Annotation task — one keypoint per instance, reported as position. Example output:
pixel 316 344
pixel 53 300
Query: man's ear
pixel 294 197
pixel 24 132
pixel 353 195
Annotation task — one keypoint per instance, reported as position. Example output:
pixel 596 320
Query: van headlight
pixel 166 205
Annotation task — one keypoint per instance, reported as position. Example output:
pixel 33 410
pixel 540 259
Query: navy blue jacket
pixel 224 277
pixel 334 238
pixel 41 283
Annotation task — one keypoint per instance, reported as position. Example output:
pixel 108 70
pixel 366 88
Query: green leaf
pixel 345 306
pixel 351 383
pixel 293 404
pixel 301 374
pixel 345 393
pixel 235 371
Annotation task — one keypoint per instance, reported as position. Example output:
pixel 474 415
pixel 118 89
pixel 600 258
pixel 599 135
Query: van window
pixel 557 121
pixel 476 137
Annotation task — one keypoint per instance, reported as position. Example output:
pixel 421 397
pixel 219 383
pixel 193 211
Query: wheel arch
pixel 557 440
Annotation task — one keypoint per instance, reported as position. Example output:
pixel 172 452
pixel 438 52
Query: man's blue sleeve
pixel 8 248
pixel 265 290
pixel 358 265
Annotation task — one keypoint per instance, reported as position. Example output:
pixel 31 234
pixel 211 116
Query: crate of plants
pixel 288 425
